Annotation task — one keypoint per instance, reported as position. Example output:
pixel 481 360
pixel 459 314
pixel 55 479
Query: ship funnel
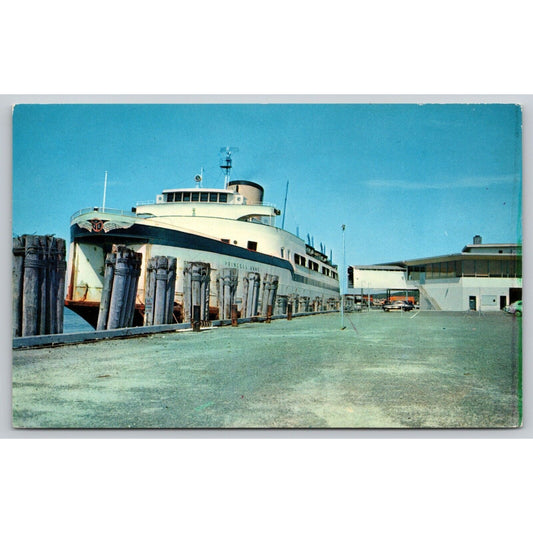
pixel 252 192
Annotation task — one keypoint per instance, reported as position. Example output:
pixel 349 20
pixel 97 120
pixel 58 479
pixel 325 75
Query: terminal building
pixel 482 277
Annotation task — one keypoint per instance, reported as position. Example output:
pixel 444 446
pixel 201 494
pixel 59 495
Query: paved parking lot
pixel 385 370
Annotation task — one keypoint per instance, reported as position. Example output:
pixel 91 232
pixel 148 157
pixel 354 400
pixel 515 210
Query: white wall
pixel 378 279
pixel 454 294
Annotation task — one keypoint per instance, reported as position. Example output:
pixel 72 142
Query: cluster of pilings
pixel 250 296
pixel 160 288
pixel 252 290
pixel 119 291
pixel 270 289
pixel 227 286
pixel 196 280
pixel 38 285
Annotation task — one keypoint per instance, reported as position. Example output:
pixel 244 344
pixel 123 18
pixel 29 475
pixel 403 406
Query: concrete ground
pixel 385 370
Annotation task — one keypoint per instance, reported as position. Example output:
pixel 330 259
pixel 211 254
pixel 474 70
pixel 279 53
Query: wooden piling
pixel 52 293
pixel 196 320
pixel 136 261
pixel 196 285
pixel 274 280
pixel 252 300
pixel 61 272
pixel 44 323
pixel 149 292
pixel 109 274
pixel 234 315
pixel 171 288
pixel 244 303
pixel 160 303
pixel 226 291
pixel 265 294
pixel 30 298
pixel 205 292
pixel 119 287
pixel 227 286
pixel 17 284
pixel 187 288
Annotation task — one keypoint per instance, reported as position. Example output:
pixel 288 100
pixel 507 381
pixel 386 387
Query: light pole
pixel 341 280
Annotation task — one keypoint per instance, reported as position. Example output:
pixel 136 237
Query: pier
pixel 436 370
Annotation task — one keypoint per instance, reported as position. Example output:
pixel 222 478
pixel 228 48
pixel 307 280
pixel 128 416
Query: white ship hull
pixel 94 232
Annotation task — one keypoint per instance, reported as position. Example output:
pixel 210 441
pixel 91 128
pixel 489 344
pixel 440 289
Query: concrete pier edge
pixel 85 336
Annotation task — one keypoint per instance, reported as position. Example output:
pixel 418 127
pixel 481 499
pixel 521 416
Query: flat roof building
pixel 484 277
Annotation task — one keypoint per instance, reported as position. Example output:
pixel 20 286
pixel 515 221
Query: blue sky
pixel 407 180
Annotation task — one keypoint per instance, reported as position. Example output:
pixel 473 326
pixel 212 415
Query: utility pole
pixel 341 280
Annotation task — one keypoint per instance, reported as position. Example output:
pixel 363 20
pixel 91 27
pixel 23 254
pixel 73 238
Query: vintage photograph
pixel 267 265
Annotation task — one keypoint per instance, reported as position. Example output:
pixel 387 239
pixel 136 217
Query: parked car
pixel 397 305
pixel 515 308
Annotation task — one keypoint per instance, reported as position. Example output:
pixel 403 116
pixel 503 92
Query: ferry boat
pixel 228 227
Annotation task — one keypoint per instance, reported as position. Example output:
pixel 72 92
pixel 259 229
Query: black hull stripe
pixel 139 233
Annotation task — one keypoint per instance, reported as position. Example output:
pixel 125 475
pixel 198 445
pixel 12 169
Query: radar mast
pixel 226 162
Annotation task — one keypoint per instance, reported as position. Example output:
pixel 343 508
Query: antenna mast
pixel 105 190
pixel 226 162
pixel 285 206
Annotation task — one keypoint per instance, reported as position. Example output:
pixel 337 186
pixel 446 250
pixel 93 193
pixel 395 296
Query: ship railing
pixel 100 210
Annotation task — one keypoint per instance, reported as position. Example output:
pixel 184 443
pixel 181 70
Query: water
pixel 73 322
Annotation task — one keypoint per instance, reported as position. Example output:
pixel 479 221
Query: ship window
pixel 177 197
pixel 204 197
pixel 225 241
pixel 213 197
pixel 252 245
pixel 223 197
pixel 195 196
pixel 186 196
pixel 170 196
pixel 299 260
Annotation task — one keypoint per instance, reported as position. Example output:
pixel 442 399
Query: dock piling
pixel 38 285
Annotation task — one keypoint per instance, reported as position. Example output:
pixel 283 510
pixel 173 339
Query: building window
pixel 252 246
pixel 495 268
pixel 482 268
pixel 468 268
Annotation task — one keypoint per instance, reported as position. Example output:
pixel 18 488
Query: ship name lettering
pixel 240 266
